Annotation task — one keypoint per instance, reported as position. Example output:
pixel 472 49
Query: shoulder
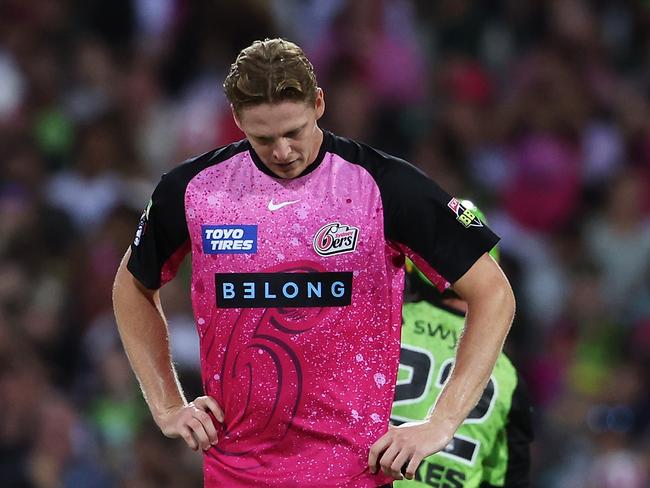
pixel 196 164
pixel 356 152
pixel 391 173
pixel 186 170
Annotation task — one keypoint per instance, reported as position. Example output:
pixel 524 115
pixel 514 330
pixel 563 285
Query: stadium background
pixel 537 110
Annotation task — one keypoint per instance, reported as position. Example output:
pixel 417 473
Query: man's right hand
pixel 193 423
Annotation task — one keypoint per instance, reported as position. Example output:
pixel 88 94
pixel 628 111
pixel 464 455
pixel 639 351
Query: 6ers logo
pixel 335 238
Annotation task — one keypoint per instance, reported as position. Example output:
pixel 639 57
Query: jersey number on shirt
pixel 420 363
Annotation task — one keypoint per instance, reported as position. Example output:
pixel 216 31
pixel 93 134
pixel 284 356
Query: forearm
pixel 488 320
pixel 145 337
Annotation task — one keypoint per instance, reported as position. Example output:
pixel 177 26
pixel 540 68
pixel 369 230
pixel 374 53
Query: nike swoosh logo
pixel 276 206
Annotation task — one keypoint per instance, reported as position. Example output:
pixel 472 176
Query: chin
pixel 290 171
pixel 290 174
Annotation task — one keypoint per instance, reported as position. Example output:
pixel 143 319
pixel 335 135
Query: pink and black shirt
pixel 297 291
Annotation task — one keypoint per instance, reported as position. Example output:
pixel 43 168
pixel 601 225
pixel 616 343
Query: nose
pixel 281 150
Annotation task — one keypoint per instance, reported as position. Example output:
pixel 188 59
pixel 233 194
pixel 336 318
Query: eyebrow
pixel 286 134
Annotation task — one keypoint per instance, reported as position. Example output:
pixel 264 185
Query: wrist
pixel 161 412
pixel 446 424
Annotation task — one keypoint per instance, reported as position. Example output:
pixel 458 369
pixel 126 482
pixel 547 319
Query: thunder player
pixel 491 447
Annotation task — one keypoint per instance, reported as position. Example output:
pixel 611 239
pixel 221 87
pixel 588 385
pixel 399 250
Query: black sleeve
pixel 426 223
pixel 161 238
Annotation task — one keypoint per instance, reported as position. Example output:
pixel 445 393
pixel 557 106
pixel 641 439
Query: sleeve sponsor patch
pixel 464 215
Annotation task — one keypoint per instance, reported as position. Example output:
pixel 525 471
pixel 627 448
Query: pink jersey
pixel 297 291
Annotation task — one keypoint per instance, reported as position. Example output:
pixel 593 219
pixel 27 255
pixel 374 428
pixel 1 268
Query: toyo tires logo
pixel 335 238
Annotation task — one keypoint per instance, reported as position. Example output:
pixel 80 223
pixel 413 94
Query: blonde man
pixel 298 238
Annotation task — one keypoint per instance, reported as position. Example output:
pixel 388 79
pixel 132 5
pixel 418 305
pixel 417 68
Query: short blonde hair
pixel 270 71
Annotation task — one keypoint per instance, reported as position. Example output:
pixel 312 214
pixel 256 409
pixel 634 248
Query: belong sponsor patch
pixel 272 290
pixel 229 239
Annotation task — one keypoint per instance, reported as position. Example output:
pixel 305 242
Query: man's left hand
pixel 408 443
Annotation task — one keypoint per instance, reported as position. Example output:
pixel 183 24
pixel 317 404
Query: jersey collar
pixel 325 145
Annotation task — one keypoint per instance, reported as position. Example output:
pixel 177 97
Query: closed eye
pixel 265 141
pixel 293 133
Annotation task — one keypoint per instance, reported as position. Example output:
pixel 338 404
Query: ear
pixel 320 103
pixel 235 117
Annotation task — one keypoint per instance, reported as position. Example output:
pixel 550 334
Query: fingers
pixel 387 459
pixel 376 450
pixel 201 422
pixel 412 467
pixel 395 469
pixel 194 423
pixel 200 427
pixel 396 454
pixel 189 439
pixel 212 406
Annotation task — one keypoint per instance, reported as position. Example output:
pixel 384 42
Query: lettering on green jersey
pixel 413 386
pixel 439 476
pixel 422 327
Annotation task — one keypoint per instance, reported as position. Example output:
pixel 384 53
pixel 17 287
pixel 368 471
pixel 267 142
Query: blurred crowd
pixel 538 110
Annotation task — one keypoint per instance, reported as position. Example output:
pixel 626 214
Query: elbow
pixel 505 297
pixel 127 288
pixel 121 278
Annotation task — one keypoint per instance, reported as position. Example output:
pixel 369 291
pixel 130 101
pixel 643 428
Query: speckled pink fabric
pixel 305 391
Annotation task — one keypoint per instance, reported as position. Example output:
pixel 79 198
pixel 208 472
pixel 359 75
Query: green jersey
pixel 479 452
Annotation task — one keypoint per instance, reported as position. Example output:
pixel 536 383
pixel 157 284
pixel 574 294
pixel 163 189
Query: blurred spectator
pixel 90 189
pixel 376 38
pixel 64 454
pixel 22 384
pixel 159 462
pixel 618 461
pixel 618 239
pixel 102 251
pixel 95 84
pixel 542 125
pixel 13 85
pixel 117 410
